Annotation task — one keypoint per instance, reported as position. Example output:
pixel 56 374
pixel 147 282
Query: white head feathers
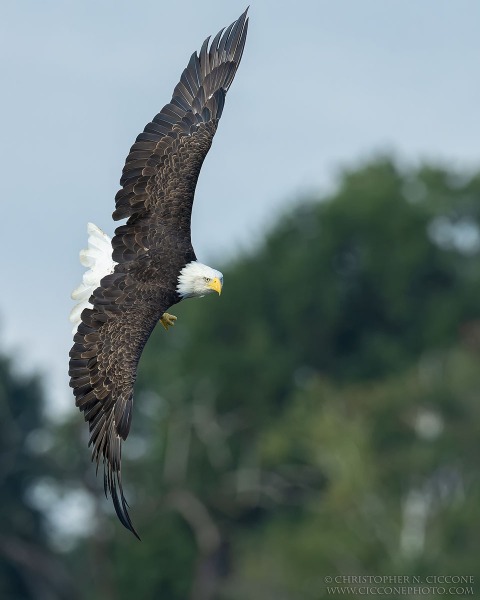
pixel 197 279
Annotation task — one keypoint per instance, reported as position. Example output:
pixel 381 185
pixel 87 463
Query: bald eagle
pixel 150 264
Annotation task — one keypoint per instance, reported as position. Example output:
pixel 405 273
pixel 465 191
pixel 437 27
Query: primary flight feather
pixel 150 264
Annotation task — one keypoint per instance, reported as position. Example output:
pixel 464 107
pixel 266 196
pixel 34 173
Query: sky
pixel 322 85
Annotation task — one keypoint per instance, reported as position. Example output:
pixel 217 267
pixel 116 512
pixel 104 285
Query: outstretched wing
pixel 162 168
pixel 158 182
pixel 103 368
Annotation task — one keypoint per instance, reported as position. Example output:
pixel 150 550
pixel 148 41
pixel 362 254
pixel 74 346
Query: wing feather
pixel 103 367
pixel 208 72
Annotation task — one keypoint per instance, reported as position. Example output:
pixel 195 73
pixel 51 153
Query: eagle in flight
pixel 150 264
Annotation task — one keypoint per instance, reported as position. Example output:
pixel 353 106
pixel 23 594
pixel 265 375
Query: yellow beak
pixel 216 285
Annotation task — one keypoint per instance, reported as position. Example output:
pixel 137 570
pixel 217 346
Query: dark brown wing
pixel 103 368
pixel 158 182
pixel 162 169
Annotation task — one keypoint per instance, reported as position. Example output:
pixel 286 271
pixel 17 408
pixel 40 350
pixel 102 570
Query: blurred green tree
pixel 320 418
pixel 29 570
pixel 355 287
pixel 403 489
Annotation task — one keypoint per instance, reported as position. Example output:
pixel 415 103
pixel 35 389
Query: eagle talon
pixel 168 320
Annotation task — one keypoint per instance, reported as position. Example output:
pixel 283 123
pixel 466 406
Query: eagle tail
pixel 97 257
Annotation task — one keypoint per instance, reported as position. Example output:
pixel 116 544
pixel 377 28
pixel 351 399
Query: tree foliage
pixel 28 568
pixel 320 418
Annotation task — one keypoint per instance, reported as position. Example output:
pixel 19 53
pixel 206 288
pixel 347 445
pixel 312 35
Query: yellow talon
pixel 168 320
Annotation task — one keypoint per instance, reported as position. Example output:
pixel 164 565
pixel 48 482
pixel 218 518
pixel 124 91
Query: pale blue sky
pixel 321 84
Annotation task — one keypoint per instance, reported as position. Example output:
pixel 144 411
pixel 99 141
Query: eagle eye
pixel 206 279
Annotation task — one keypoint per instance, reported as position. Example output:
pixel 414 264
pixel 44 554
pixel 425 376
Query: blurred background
pixel 322 417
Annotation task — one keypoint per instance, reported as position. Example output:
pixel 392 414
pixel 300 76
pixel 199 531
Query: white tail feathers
pixel 98 258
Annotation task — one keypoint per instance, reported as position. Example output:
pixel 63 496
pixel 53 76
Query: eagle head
pixel 196 280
